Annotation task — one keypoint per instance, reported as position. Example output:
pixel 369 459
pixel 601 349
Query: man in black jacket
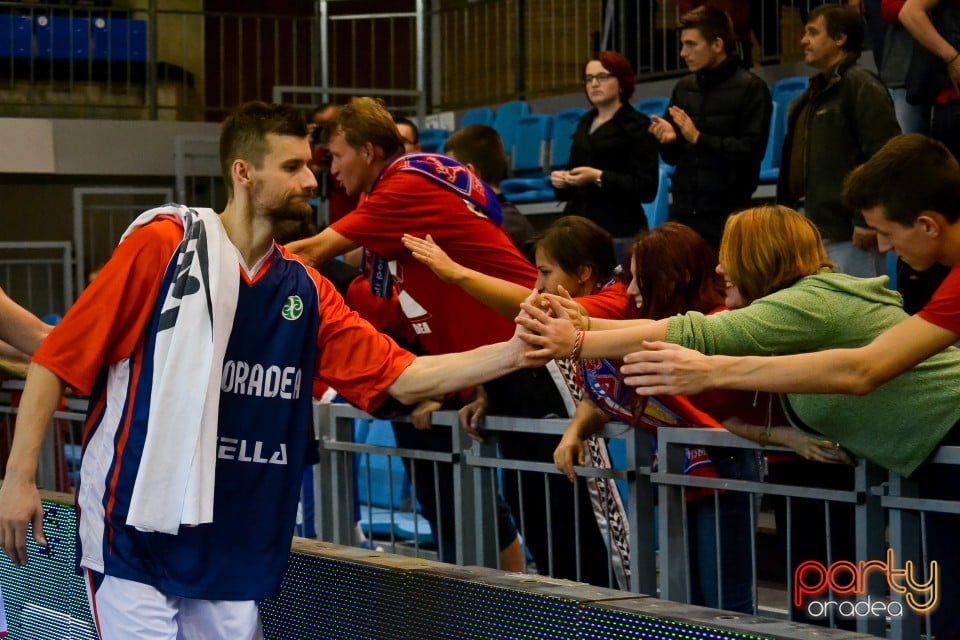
pixel 716 127
pixel 841 120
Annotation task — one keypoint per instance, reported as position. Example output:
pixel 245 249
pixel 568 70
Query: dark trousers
pixel 434 489
pixel 532 393
pixel 808 529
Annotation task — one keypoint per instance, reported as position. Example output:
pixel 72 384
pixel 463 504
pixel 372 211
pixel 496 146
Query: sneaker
pixel 361 540
pixel 371 545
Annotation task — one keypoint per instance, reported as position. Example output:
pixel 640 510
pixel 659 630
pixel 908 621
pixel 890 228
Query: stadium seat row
pixel 51 37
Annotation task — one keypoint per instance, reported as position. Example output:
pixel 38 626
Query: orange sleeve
pixel 110 317
pixel 352 357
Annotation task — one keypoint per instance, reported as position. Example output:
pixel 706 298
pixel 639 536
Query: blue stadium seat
pixel 375 518
pixel 382 473
pixel 119 40
pixel 564 125
pixel 653 106
pixel 62 37
pixel 533 136
pixel 480 115
pixel 785 91
pixel 529 183
pixel 16 36
pixel 659 210
pixel 431 140
pixel 892 270
pixel 770 165
pixel 506 120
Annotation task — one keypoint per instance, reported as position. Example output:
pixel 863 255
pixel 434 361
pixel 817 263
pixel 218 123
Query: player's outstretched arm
pixel 430 376
pixel 19 497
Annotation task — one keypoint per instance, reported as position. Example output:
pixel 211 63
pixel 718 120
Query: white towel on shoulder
pixel 175 479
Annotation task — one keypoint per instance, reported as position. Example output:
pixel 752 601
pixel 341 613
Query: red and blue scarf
pixel 449 174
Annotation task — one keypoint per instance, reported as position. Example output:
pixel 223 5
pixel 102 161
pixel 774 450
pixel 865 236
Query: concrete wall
pixel 41 161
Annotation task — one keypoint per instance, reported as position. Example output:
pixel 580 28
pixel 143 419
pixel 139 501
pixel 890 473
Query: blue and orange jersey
pixel 290 326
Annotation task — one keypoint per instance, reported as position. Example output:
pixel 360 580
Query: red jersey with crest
pixel 444 317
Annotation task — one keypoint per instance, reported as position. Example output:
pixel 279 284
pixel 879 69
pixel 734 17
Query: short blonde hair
pixel 768 248
pixel 366 120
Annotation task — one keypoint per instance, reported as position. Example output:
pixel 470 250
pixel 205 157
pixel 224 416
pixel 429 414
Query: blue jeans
pixel 735 537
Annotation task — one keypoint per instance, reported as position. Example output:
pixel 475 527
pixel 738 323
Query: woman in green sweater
pixel 786 299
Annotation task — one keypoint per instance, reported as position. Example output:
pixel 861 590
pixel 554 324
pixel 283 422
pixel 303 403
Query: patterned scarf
pixel 449 174
pixel 603 384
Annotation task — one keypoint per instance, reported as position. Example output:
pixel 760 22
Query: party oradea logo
pixel 841 588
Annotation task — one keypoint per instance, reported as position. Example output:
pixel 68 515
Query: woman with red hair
pixel 614 162
pixel 674 272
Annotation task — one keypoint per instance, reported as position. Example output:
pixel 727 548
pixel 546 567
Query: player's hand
pixel 548 336
pixel 19 506
pixel 522 350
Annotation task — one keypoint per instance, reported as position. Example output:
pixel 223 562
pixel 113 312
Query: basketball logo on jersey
pixel 292 308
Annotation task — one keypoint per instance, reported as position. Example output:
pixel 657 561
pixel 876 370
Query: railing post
pixel 474 489
pixel 520 46
pixel 870 541
pixel 906 545
pixel 152 55
pixel 317 42
pixel 335 476
pixel 673 551
pixel 643 536
pixel 324 50
pixel 421 55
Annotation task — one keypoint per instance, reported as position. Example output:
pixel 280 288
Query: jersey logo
pixel 292 308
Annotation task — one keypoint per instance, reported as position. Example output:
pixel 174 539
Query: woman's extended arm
pixel 500 295
pixel 804 445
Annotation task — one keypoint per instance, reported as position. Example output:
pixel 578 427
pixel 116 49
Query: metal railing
pixel 154 63
pixel 100 216
pixel 877 513
pixel 851 515
pixel 38 275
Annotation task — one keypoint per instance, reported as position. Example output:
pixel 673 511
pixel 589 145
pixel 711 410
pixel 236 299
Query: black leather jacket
pixel 852 116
